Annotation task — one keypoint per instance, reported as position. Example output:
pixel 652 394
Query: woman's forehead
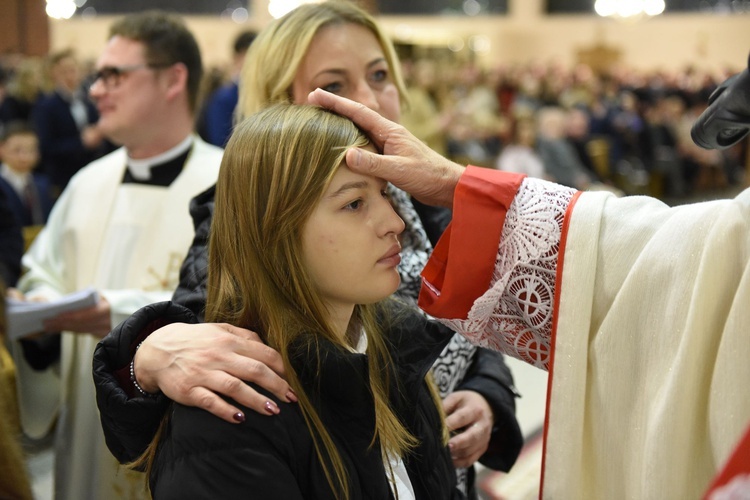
pixel 343 39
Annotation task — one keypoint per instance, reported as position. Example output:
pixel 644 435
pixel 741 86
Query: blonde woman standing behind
pixel 338 47
pixel 317 256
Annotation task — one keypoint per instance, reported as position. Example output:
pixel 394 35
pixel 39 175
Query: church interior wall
pixel 668 42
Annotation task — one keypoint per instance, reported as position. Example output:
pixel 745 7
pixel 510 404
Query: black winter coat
pixel 201 456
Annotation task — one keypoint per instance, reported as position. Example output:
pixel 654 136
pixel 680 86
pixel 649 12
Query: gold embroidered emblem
pixel 171 276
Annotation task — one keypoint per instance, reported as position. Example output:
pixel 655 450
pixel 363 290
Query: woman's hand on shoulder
pixel 193 364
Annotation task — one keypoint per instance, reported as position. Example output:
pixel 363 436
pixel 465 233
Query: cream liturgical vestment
pixel 128 240
pixel 641 314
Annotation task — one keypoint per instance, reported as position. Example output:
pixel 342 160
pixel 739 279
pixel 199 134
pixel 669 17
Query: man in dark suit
pixel 65 121
pixel 216 120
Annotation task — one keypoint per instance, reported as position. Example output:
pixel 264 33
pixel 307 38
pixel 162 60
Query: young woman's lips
pixel 392 257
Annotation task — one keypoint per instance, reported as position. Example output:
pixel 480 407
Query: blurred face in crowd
pixel 347 60
pixel 20 152
pixel 129 94
pixel 577 124
pixel 526 133
pixel 67 74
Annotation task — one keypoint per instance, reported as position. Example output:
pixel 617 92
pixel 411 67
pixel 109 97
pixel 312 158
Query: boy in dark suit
pixel 29 193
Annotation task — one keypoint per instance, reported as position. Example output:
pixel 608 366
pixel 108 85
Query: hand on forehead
pixel 372 123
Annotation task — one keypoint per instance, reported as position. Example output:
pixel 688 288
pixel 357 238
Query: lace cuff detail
pixel 515 315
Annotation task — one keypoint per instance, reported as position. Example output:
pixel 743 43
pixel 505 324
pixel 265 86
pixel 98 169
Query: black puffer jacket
pixel 201 456
pixel 191 292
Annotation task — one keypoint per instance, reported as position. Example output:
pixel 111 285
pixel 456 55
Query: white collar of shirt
pixel 17 180
pixel 141 168
pixel 399 481
pixel 361 346
pixel 76 105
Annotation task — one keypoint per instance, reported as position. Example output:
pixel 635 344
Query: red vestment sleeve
pixel 462 264
pixel 737 469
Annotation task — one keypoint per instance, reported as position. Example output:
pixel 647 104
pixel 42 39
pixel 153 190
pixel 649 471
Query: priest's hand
pixel 16 294
pixel 406 162
pixel 469 418
pixel 193 364
pixel 96 320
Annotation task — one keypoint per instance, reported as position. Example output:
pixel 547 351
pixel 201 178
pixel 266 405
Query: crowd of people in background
pixel 625 129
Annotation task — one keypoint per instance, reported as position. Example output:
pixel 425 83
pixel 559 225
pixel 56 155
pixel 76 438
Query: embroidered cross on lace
pixel 515 315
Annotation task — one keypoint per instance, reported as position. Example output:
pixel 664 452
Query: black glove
pixel 727 119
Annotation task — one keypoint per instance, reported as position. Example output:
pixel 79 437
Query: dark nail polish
pixel 239 416
pixel 271 408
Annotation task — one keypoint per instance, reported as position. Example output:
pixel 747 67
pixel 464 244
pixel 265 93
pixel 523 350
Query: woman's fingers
pixel 468 446
pixel 253 348
pixel 195 364
pixel 207 398
pixel 470 418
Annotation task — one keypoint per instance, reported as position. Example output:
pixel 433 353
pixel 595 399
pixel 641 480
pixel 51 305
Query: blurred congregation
pixel 603 117
pixel 627 128
pixel 595 121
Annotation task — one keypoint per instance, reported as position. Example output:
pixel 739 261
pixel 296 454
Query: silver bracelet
pixel 135 382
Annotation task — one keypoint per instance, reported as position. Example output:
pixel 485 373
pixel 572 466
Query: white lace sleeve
pixel 515 315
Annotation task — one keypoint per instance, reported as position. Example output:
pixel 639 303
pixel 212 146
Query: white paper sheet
pixel 26 317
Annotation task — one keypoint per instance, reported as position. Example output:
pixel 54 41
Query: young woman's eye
pixel 354 205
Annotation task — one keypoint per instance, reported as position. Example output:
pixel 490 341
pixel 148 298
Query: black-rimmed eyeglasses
pixel 110 76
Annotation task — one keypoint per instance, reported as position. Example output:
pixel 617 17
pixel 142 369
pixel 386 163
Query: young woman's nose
pixel 390 222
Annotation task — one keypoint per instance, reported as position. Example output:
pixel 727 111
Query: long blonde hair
pixel 274 57
pixel 276 167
